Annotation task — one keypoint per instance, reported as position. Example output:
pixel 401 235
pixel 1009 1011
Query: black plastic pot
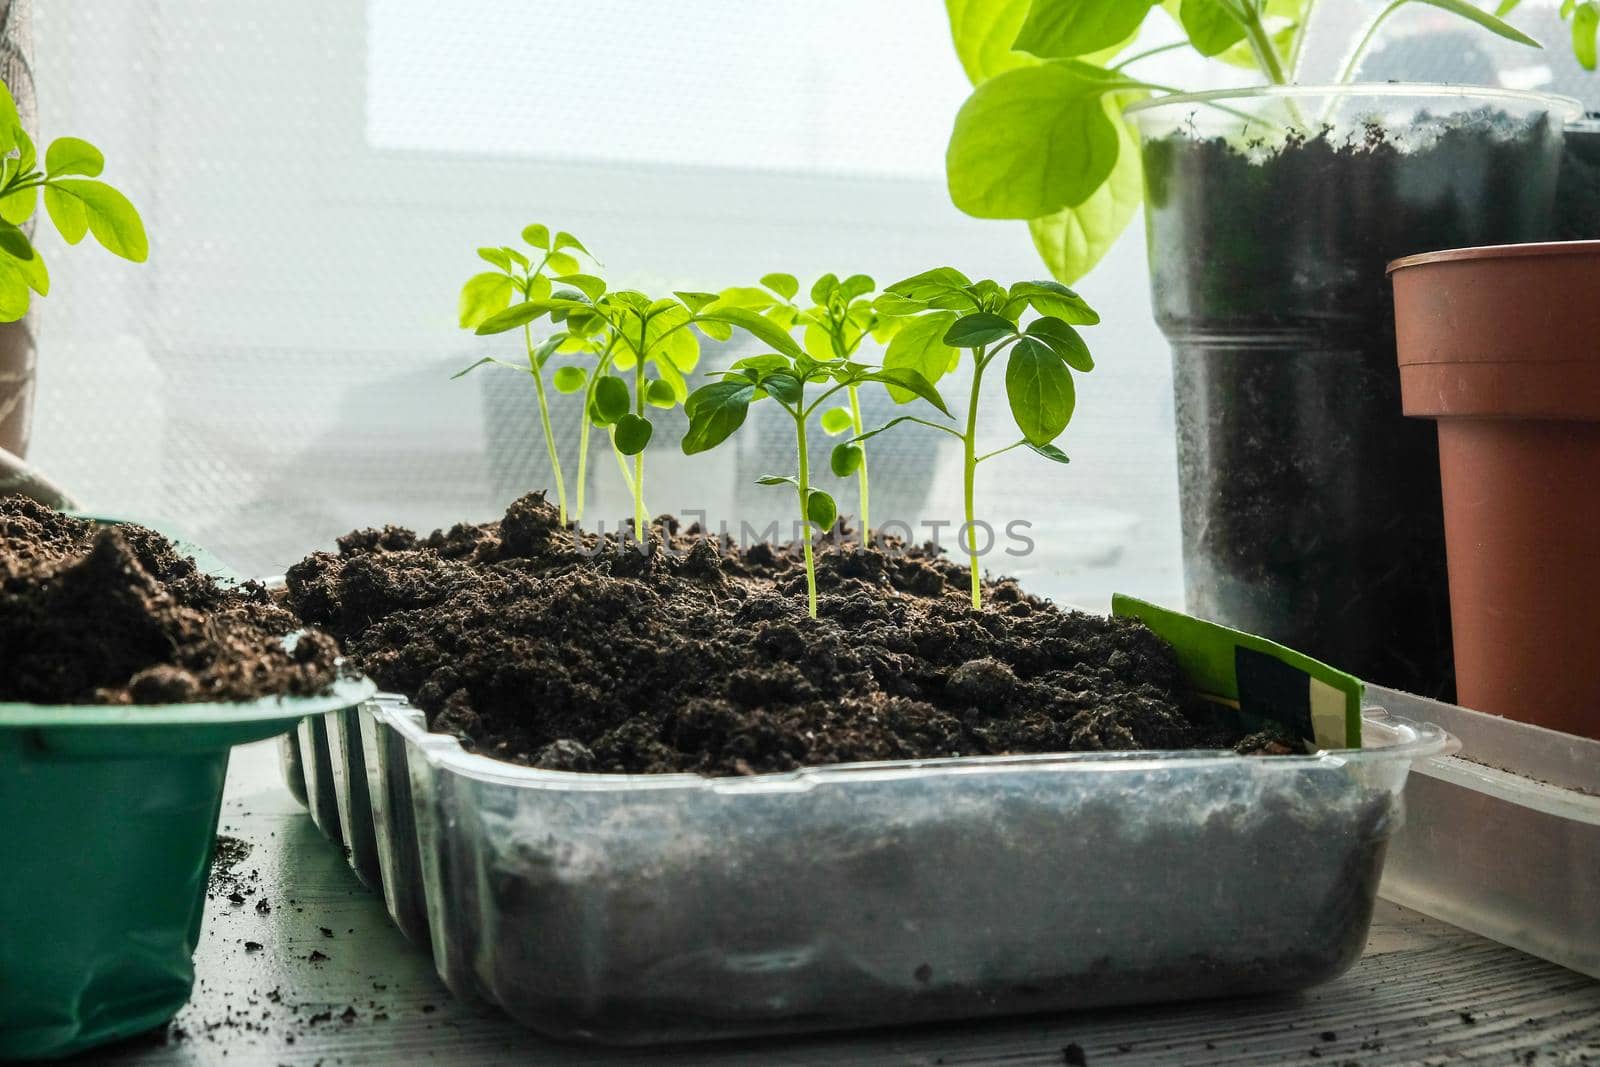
pixel 1311 505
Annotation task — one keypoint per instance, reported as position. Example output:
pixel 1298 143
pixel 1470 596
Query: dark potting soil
pixel 95 614
pixel 699 656
pixel 1577 214
pixel 1310 504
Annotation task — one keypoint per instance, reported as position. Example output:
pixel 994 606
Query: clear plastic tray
pixel 641 909
pixel 1504 840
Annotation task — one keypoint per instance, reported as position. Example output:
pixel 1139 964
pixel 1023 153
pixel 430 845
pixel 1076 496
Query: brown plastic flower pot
pixel 1502 347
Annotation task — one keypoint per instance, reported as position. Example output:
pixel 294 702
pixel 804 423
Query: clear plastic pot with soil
pixel 1310 505
pixel 639 797
pixel 1577 213
pixel 129 671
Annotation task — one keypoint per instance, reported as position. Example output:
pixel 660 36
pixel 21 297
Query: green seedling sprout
pixel 490 293
pixel 646 340
pixel 840 318
pixel 76 203
pixel 1042 136
pixel 717 410
pixel 947 314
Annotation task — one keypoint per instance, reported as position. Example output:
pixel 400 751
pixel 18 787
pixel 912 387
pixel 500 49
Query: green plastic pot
pixel 110 819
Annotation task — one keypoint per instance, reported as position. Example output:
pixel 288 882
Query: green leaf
pixel 484 295
pixel 560 263
pixel 846 459
pixel 920 347
pixel 1492 23
pixel 762 365
pixel 1506 7
pixel 823 288
pixel 1071 241
pixel 569 379
pixel 891 424
pixel 526 312
pixel 1055 299
pixel 777 479
pixel 610 401
pixel 983 31
pixel 931 288
pixel 30 272
pixel 69 155
pixel 1061 29
pixel 1212 29
pixel 821 509
pixel 910 381
pixel 1064 341
pixel 695 301
pixel 762 328
pixel 68 215
pixel 1039 387
pixel 14 296
pixel 590 286
pixel 715 411
pixel 1585 24
pixel 785 285
pixel 632 434
pixel 27 157
pixel 661 394
pixel 496 257
pixel 783 387
pixel 18 207
pixel 836 421
pixel 14 242
pixel 1033 141
pixel 978 329
pixel 112 219
pixel 1050 452
pixel 485 361
pixel 566 240
pixel 10 124
pixel 537 235
pixel 856 285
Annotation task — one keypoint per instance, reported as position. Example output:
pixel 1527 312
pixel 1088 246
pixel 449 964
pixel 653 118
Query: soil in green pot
pixel 1311 506
pixel 97 614
pixel 536 648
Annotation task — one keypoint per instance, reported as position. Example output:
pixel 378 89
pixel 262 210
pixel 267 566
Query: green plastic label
pixel 1259 678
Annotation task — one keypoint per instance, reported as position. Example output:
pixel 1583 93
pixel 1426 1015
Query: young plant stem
pixel 858 428
pixel 627 475
pixel 544 420
pixel 805 514
pixel 1261 45
pixel 969 441
pixel 641 527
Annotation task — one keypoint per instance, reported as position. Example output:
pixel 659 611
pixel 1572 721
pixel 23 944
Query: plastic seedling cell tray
pixel 110 818
pixel 655 908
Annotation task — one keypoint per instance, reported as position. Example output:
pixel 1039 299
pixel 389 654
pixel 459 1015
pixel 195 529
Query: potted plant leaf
pixel 1310 507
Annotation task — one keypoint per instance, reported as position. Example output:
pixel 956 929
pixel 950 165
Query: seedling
pixel 717 410
pixel 487 294
pixel 840 318
pixel 950 313
pixel 647 340
pixel 75 202
pixel 1042 137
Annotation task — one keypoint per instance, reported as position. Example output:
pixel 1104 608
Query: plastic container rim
pixel 347 692
pixel 1407 740
pixel 1568 107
